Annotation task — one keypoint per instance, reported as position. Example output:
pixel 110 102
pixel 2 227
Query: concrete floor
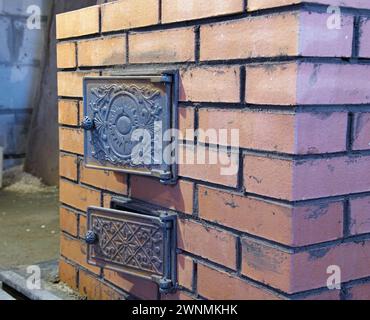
pixel 29 228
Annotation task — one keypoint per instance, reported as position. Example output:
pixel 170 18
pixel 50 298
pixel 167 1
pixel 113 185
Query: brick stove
pixel 296 206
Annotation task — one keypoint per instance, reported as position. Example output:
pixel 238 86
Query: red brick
pixel 307 84
pixel 68 112
pixel 317 223
pixel 95 289
pixel 219 285
pixel 186 122
pixel 274 84
pixel 185 271
pixel 360 291
pixel 82 226
pixel 127 14
pixel 223 84
pixel 269 177
pixel 70 83
pixel 295 272
pixel 257 130
pixel 106 180
pixel 209 164
pixel 306 179
pixel 298 226
pixel 292 83
pixel 322 295
pixel 75 250
pixel 175 45
pixel 107 198
pixel 178 10
pixel 102 51
pixel 263 36
pixel 71 140
pixel 140 288
pixel 68 273
pixel 268 265
pixel 80 111
pixel 361 134
pixel 78 196
pixel 263 4
pixel 205 241
pixel 299 133
pixel 68 166
pixel 77 23
pixel 68 221
pixel 178 295
pixel 66 55
pixel 177 197
pixel 360 215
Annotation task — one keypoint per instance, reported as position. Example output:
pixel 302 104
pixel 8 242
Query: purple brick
pixel 365 38
pixel 321 132
pixel 360 4
pixel 361 131
pixel 318 40
pixel 360 215
pixel 330 177
pixel 306 179
pixel 333 84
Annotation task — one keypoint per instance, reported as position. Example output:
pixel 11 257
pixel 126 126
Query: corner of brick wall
pixel 300 201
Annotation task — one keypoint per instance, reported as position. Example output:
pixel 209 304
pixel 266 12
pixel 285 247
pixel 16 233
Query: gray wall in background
pixel 42 159
pixel 21 54
pixel 28 97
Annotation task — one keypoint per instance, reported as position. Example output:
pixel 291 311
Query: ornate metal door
pixel 126 120
pixel 137 244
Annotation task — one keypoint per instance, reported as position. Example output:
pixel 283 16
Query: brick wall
pixel 299 93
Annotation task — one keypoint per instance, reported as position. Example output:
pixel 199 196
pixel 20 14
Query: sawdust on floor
pixel 16 180
pixel 29 220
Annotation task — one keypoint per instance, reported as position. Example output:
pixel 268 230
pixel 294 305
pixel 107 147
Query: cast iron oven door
pixel 127 121
pixel 132 243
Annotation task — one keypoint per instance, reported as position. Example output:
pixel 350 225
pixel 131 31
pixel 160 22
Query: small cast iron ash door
pixel 132 243
pixel 126 120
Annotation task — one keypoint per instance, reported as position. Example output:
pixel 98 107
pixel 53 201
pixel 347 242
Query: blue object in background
pixel 21 55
